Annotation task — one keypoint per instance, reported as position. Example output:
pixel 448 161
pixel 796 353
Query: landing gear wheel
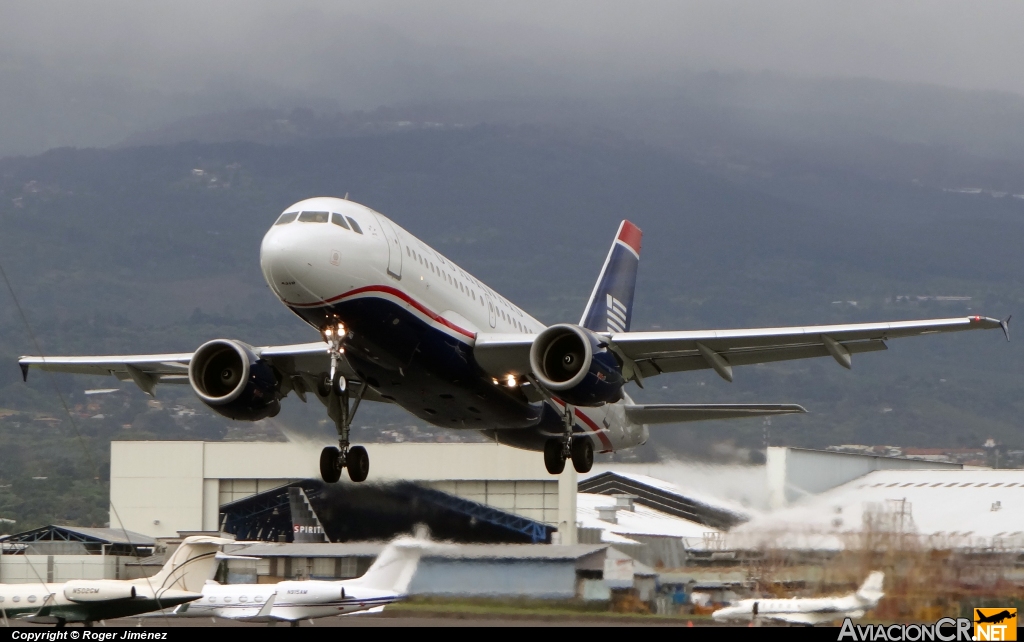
pixel 582 454
pixel 358 463
pixel 330 464
pixel 323 384
pixel 554 460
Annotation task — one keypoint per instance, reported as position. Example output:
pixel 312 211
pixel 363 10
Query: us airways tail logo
pixel 995 624
pixel 616 315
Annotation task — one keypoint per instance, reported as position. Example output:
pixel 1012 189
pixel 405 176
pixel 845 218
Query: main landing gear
pixel 334 387
pixel 579 449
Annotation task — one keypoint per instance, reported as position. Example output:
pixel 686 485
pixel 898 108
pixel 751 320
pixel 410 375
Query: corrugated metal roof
pixel 642 520
pixel 951 508
pixel 98 535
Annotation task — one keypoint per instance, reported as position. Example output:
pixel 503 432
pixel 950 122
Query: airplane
pixel 807 610
pixel 180 581
pixel 400 323
pixel 385 582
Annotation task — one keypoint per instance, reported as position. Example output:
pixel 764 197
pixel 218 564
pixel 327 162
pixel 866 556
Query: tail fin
pixel 871 589
pixel 394 567
pixel 189 566
pixel 610 308
pixel 306 526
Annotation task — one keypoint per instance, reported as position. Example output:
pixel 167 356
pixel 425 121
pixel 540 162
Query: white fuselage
pixel 293 600
pixel 820 609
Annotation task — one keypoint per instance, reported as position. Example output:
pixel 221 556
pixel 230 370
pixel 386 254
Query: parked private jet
pixel 402 324
pixel 385 582
pixel 809 610
pixel 181 580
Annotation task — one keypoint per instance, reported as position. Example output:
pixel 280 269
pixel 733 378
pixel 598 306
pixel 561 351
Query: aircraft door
pixel 394 247
pixel 492 317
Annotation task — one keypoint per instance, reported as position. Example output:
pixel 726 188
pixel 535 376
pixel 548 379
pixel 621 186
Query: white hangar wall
pixel 162 487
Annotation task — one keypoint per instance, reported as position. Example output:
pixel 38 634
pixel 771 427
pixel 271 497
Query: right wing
pixel 298 362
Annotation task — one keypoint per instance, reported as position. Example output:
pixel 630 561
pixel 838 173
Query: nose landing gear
pixel 334 386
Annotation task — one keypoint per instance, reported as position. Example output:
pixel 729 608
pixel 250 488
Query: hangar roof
pixel 642 520
pixel 458 551
pixel 950 508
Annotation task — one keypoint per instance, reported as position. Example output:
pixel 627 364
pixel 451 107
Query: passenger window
pixel 16 598
pixel 227 599
pixel 259 598
pixel 1 598
pixel 355 226
pixel 314 217
pixel 338 219
pixel 244 598
pixel 285 218
pixel 213 599
pixel 31 598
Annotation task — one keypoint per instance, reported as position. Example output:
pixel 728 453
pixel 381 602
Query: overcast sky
pixel 387 50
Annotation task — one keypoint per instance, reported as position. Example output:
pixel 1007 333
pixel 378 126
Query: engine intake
pixel 98 591
pixel 577 365
pixel 229 378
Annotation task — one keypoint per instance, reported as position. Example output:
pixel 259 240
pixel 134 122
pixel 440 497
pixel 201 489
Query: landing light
pixel 495 381
pixel 511 381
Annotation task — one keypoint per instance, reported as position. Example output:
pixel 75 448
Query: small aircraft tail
pixel 610 308
pixel 189 566
pixel 394 567
pixel 871 589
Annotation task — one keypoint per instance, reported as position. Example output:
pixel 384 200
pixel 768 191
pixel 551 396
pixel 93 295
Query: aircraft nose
pixel 282 260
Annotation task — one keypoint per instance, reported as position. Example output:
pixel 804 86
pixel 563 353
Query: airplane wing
pixel 304 361
pixel 807 619
pixel 670 413
pixel 646 354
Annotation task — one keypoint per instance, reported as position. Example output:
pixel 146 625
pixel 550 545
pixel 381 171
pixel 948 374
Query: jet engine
pixel 229 378
pixel 98 590
pixel 576 365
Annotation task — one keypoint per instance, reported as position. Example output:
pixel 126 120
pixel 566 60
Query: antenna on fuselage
pixel 346 196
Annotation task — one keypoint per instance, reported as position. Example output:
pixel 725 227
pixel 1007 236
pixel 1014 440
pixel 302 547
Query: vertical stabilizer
pixel 306 526
pixel 871 589
pixel 610 308
pixel 189 566
pixel 394 567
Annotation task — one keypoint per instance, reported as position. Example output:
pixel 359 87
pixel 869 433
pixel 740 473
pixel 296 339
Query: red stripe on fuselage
pixel 630 235
pixel 386 289
pixel 588 422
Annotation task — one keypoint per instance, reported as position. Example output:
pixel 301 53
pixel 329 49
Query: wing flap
pixel 683 361
pixel 670 413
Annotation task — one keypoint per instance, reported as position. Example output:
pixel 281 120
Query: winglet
pixel 24 370
pixel 1005 325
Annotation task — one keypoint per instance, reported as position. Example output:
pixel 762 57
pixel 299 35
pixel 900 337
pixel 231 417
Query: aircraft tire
pixel 358 464
pixel 323 384
pixel 330 464
pixel 582 454
pixel 553 459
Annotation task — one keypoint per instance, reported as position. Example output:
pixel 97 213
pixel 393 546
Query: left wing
pixel 646 354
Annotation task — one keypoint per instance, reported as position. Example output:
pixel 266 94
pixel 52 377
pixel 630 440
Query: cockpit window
pixel 355 226
pixel 287 217
pixel 338 219
pixel 314 217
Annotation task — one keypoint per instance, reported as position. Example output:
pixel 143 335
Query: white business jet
pixel 385 582
pixel 180 580
pixel 400 323
pixel 807 610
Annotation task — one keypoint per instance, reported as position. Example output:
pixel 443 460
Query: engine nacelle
pixel 309 592
pixel 229 378
pixel 98 590
pixel 577 365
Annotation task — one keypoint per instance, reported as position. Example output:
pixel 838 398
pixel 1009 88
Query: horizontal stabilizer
pixel 670 413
